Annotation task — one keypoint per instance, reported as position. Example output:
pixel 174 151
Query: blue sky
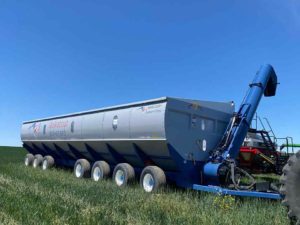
pixel 60 57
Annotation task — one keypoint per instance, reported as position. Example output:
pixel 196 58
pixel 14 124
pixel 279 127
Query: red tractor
pixel 260 152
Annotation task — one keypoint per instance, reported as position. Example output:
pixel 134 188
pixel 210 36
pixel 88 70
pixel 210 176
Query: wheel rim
pixel 35 163
pixel 26 161
pixel 97 174
pixel 45 164
pixel 120 177
pixel 78 170
pixel 148 182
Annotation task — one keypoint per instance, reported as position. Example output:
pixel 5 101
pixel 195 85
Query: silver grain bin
pixel 134 132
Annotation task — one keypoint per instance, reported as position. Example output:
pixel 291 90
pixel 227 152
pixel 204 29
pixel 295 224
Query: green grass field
pixel 32 196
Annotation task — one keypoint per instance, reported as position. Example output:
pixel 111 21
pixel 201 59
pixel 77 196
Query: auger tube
pixel 264 83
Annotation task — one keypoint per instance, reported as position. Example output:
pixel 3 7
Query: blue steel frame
pixel 189 172
pixel 225 191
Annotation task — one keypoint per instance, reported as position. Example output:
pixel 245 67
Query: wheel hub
pixel 97 174
pixel 45 164
pixel 35 163
pixel 148 182
pixel 78 170
pixel 120 177
pixel 26 162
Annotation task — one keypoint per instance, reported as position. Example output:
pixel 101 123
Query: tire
pixel 82 168
pixel 290 187
pixel 37 161
pixel 28 159
pixel 152 178
pixel 48 162
pixel 100 170
pixel 123 174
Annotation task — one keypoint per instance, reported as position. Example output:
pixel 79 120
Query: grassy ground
pixel 32 196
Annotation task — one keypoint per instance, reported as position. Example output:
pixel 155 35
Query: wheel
pixel 48 162
pixel 290 187
pixel 123 174
pixel 28 159
pixel 100 170
pixel 37 161
pixel 82 168
pixel 152 178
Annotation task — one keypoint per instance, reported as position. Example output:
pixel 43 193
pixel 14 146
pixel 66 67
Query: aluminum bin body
pixel 139 133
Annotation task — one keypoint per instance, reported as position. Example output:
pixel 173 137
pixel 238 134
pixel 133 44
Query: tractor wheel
pixel 28 159
pixel 152 178
pixel 48 162
pixel 123 174
pixel 100 170
pixel 82 168
pixel 37 161
pixel 290 187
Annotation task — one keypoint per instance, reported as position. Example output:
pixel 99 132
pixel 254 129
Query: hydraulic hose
pixel 237 186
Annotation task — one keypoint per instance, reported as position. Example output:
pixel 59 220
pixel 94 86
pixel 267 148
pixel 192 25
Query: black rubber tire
pixel 49 160
pixel 158 176
pixel 37 161
pixel 129 174
pixel 104 168
pixel 290 187
pixel 28 160
pixel 85 166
